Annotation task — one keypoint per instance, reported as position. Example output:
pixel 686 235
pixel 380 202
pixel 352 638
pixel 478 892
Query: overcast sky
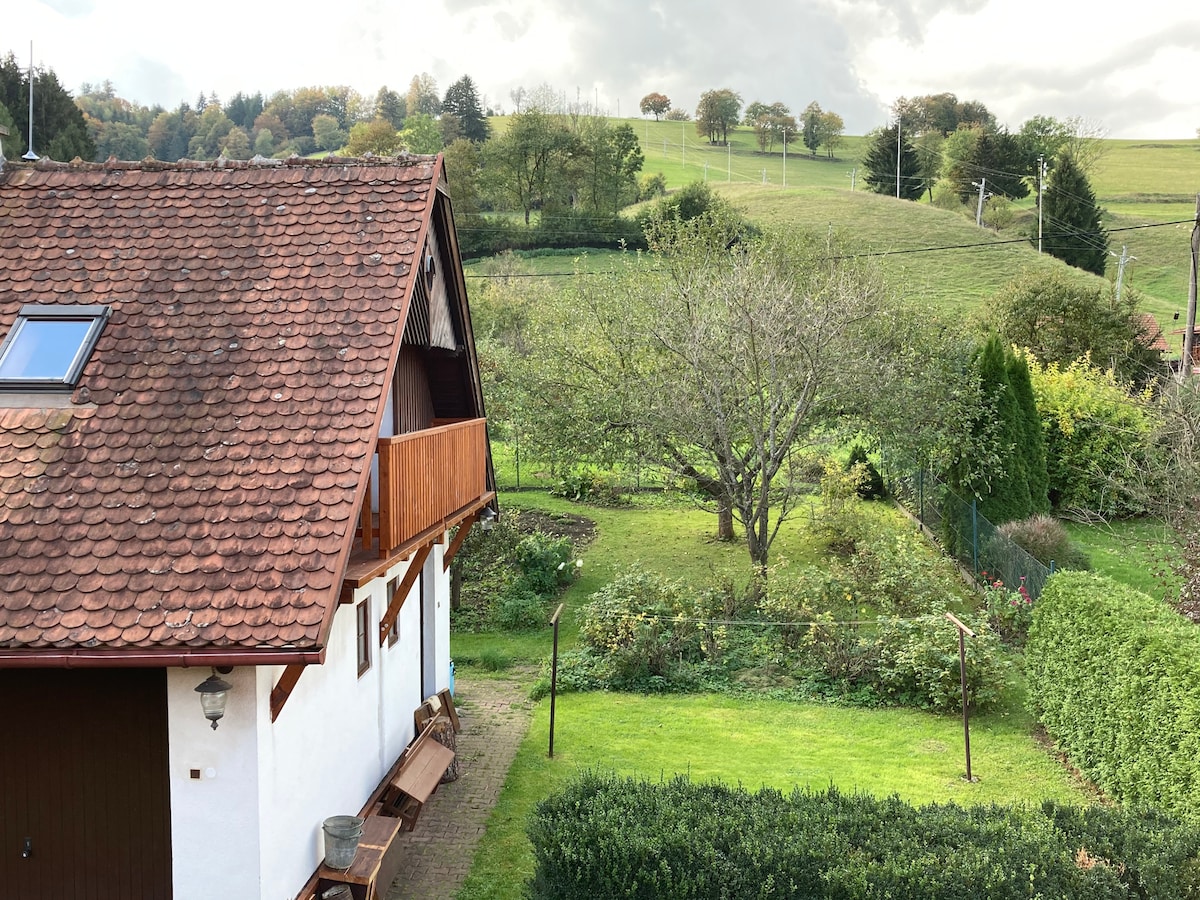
pixel 1129 67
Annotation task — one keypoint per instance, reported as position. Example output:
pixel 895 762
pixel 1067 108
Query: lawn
pixel 1131 552
pixel 663 532
pixel 916 755
pixel 747 740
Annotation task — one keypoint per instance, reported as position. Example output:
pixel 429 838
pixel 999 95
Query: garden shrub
pixel 897 572
pixel 1046 540
pixel 870 484
pixel 508 577
pixel 604 836
pixel 1094 431
pixel 1114 676
pixel 918 663
pixel 642 625
pixel 589 487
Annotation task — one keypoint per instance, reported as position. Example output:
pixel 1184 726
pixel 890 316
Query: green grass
pixel 1132 553
pixel 1137 182
pixel 662 532
pixel 916 755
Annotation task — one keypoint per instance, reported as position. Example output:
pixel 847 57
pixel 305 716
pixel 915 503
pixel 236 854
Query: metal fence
pixel 966 535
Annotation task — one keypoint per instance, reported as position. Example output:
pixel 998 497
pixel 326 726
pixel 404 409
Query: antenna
pixel 30 155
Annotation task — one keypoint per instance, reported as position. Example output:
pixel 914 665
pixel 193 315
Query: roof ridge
pixel 221 164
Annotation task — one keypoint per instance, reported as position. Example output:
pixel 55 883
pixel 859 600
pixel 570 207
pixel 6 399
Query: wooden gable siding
pixel 414 404
pixel 83 777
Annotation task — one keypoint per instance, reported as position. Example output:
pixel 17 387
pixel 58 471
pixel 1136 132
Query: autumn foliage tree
pixel 717 112
pixel 655 104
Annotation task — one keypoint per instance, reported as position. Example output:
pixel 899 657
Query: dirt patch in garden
pixel 579 529
pixel 1089 787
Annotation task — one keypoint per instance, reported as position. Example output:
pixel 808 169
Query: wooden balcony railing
pixel 424 477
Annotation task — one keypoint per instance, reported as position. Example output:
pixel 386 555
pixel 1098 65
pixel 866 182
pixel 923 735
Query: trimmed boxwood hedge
pixel 1114 676
pixel 605 836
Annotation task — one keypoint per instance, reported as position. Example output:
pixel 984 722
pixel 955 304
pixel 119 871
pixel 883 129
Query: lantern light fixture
pixel 214 692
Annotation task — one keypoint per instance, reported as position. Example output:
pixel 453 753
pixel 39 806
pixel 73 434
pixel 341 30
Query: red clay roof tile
pixel 201 489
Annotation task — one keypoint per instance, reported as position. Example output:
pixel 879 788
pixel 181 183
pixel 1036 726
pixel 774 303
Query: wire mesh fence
pixel 965 534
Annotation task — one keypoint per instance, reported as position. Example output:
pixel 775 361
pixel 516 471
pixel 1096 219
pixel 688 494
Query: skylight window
pixel 48 345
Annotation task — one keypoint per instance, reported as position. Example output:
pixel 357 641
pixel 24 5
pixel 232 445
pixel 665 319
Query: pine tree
pixel 462 101
pixel 880 163
pixel 1071 225
pixel 59 129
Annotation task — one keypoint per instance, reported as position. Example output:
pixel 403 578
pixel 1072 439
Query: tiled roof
pixel 200 489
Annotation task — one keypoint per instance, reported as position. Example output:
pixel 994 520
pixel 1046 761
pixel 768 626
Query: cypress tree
pixel 1032 447
pixel 1005 496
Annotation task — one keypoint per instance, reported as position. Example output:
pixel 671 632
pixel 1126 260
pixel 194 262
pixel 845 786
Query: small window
pixel 394 632
pixel 48 345
pixel 362 614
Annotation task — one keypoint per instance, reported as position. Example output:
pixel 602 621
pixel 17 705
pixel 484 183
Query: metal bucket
pixel 342 834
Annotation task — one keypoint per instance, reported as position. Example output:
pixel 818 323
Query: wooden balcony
pixel 427 479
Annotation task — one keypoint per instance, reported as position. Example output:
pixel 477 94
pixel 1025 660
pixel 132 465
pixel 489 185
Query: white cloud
pixel 1020 57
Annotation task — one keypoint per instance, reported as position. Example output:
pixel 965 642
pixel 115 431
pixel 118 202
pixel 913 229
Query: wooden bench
pixel 363 876
pixel 417 776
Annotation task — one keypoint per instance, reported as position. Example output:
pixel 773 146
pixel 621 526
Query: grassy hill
pixel 1139 183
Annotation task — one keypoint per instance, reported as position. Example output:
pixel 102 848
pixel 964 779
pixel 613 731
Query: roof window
pixel 48 345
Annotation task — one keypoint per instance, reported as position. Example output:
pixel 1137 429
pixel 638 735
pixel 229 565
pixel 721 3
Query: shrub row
pixel 1114 675
pixel 494 234
pixel 645 632
pixel 605 836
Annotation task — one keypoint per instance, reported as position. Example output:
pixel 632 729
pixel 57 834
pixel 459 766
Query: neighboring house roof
pixel 199 489
pixel 1151 332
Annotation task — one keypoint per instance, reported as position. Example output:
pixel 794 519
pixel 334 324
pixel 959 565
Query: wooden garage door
pixel 83 780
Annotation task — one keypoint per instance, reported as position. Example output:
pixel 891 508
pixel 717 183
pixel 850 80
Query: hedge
pixel 605 836
pixel 1114 676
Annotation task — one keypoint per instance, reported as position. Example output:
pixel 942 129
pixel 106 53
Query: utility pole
pixel 1122 260
pixel 1041 196
pixel 683 142
pixel 1189 335
pixel 981 184
pixel 785 157
pixel 853 173
pixel 728 163
pixel 897 157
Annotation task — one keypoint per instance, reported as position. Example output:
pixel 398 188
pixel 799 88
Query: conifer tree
pixel 1071 223
pixel 1032 446
pixel 880 163
pixel 462 101
pixel 1005 495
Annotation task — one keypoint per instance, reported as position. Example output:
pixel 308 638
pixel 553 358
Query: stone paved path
pixel 494 713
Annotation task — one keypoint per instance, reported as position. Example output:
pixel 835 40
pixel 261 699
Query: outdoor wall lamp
pixel 214 692
pixel 487 518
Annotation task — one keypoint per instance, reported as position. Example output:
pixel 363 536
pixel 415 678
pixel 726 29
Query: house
pixel 240 417
pixel 1182 333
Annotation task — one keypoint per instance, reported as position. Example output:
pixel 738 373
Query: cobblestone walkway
pixel 494 714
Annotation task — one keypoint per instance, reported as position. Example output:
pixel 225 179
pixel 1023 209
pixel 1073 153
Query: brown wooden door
pixel 83 784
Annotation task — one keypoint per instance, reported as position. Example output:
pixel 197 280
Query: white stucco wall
pixel 274 783
pixel 215 822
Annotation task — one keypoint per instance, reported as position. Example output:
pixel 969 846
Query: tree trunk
pixel 724 519
pixel 455 586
